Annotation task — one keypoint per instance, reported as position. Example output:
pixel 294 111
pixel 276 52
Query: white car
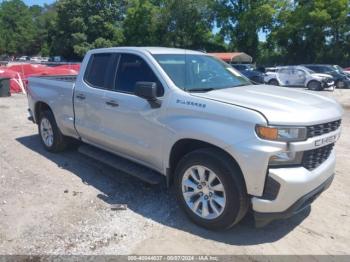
pixel 299 76
pixel 24 58
pixel 45 59
pixel 36 59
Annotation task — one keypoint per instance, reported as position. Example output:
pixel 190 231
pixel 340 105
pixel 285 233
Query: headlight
pixel 286 159
pixel 282 133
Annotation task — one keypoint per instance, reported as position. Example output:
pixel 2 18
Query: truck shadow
pixel 157 202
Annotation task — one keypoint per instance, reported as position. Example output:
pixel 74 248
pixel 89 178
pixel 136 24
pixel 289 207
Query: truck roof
pixel 152 49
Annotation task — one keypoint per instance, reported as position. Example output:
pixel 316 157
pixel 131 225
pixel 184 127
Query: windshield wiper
pixel 200 90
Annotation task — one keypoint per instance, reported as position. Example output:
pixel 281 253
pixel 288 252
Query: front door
pixel 133 127
pixel 300 77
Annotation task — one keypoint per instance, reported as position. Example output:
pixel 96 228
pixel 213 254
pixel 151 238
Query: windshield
pixel 200 72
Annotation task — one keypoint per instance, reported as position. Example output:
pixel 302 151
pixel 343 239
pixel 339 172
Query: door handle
pixel 81 96
pixel 112 103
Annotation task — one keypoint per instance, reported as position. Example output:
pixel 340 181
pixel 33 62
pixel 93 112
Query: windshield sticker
pixel 190 103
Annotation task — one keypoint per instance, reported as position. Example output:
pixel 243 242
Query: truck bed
pixel 66 78
pixel 57 92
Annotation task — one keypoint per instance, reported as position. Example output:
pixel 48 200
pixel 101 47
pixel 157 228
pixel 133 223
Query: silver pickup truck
pixel 192 120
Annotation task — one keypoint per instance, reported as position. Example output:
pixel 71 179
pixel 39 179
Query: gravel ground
pixel 61 204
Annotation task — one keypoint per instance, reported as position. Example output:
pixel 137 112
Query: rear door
pixel 284 75
pixel 89 97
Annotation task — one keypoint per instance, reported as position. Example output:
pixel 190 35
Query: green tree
pixel 173 23
pixel 81 25
pixel 311 31
pixel 337 19
pixel 142 23
pixel 16 28
pixel 42 18
pixel 240 22
pixel 187 23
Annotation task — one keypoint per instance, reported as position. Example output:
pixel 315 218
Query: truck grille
pixel 314 158
pixel 321 129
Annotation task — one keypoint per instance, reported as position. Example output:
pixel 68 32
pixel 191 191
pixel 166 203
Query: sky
pixel 38 2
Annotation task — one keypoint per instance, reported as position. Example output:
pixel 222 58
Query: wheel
pixel 273 82
pixel 51 136
pixel 210 189
pixel 314 85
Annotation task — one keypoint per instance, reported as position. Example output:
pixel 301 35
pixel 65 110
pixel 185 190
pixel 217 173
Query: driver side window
pixel 132 69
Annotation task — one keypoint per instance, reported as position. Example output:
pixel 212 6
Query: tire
pixel 50 135
pixel 273 82
pixel 236 201
pixel 314 85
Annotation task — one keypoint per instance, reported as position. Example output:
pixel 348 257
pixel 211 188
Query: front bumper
pixel 327 83
pixel 295 186
pixel 262 219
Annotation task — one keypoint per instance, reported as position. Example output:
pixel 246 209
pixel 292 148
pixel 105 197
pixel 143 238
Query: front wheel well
pixel 185 146
pixel 314 81
pixel 39 108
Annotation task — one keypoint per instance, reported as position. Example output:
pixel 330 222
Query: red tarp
pixel 27 70
pixel 75 67
pixel 14 86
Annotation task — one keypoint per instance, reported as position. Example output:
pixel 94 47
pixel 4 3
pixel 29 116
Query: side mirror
pixel 148 91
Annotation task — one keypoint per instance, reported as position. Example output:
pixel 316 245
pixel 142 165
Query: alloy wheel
pixel 204 192
pixel 46 132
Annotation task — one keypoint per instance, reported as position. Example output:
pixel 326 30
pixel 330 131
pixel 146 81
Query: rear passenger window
pixel 99 71
pixel 132 69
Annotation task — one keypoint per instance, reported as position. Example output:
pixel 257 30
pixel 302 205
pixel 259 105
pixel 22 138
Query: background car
pixel 56 59
pixel 36 59
pixel 341 78
pixel 45 59
pixel 5 59
pixel 24 58
pixel 347 70
pixel 270 70
pixel 299 76
pixel 249 71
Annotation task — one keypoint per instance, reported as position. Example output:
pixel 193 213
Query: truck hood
pixel 279 105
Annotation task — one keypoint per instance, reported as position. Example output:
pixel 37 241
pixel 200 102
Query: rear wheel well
pixel 185 146
pixel 39 108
